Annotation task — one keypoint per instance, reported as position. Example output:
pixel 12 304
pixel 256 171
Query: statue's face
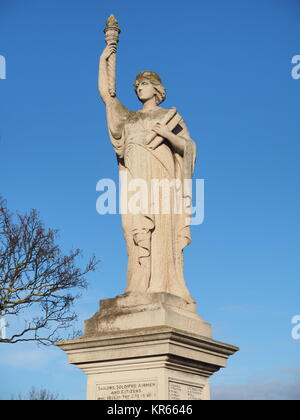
pixel 145 90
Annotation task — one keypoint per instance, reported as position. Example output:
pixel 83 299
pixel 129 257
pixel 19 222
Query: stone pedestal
pixel 147 347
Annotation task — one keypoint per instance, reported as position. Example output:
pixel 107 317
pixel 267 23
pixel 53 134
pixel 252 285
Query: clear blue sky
pixel 227 68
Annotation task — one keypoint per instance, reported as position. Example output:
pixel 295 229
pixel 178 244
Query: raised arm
pixel 116 113
pixel 107 66
pixel 103 77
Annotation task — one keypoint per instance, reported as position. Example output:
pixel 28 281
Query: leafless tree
pixel 38 283
pixel 38 395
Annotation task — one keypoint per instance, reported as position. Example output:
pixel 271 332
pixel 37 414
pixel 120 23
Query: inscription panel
pixel 184 391
pixel 134 390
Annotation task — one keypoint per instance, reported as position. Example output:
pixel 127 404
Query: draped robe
pixel 155 241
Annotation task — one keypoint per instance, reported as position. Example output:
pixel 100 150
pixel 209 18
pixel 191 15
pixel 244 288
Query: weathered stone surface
pixel 131 311
pixel 148 363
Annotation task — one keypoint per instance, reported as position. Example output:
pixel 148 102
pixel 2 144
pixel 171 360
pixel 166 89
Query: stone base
pixel 131 311
pixel 151 347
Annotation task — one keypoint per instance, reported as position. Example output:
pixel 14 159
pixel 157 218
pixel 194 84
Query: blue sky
pixel 227 68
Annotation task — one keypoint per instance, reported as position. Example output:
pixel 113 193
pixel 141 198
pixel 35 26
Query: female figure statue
pixel 152 143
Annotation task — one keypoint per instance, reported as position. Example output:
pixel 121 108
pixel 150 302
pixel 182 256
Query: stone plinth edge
pixel 131 311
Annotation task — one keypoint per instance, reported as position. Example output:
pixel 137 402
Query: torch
pixel 112 31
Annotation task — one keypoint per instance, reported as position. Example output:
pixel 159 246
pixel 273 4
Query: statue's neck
pixel 149 105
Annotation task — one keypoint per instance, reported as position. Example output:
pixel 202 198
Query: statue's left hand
pixel 162 130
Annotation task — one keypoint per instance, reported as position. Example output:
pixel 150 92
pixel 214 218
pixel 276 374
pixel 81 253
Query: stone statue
pixel 151 143
pixel 148 343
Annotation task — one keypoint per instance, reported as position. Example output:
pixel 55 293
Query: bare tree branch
pixel 38 395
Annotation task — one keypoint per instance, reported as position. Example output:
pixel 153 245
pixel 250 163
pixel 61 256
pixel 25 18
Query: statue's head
pixel 148 84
